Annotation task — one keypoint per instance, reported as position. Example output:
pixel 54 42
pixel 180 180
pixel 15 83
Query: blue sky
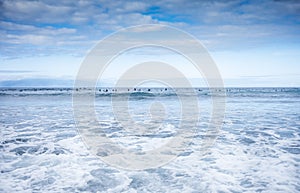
pixel 254 43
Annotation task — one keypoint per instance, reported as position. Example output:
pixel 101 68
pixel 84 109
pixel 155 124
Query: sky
pixel 253 43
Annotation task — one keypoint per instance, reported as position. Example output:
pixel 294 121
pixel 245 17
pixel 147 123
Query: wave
pixel 154 92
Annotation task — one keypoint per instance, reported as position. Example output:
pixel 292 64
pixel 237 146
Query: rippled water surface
pixel 257 149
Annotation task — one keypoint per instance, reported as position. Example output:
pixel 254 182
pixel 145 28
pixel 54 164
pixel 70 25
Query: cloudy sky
pixel 254 43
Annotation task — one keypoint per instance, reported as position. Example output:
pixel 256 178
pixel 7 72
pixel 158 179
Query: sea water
pixel 257 148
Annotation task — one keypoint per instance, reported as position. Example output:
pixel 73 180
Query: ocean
pixel 256 149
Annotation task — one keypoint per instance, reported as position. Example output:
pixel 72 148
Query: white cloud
pixel 35 11
pixel 219 23
pixel 28 34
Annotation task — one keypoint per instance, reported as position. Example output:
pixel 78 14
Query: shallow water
pixel 257 149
